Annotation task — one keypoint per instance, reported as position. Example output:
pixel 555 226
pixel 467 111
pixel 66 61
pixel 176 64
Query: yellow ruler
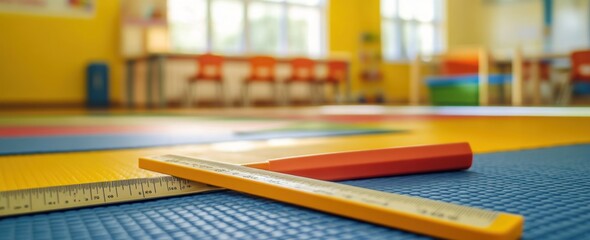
pixel 94 194
pixel 414 214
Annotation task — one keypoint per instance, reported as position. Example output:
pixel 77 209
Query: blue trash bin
pixel 97 85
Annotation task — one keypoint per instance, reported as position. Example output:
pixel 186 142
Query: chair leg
pixel 275 89
pixel 189 95
pixel 245 95
pixel 337 99
pixel 221 94
pixel 564 91
pixel 565 94
pixel 320 92
pixel 312 93
pixel 286 95
pixel 547 88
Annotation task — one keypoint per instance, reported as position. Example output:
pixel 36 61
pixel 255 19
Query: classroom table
pixel 514 61
pixel 529 161
pixel 155 75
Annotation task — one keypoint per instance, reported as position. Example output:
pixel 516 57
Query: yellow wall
pixel 498 25
pixel 395 83
pixel 343 33
pixel 347 20
pixel 463 23
pixel 467 24
pixel 43 58
pixel 513 24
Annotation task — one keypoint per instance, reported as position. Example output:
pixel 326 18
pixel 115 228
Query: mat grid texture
pixel 550 187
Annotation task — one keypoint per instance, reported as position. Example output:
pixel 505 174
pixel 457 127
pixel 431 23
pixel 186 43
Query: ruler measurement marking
pixel 324 188
pixel 43 195
pixel 104 196
pixel 472 220
pixel 142 191
pixel 91 196
pixel 140 184
pixel 416 214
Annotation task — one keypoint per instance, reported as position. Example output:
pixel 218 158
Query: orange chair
pixel 302 71
pixel 262 70
pixel 209 69
pixel 337 73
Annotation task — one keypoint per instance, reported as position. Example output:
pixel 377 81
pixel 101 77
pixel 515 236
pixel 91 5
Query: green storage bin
pixel 463 90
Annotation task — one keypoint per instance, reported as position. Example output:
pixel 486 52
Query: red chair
pixel 580 66
pixel 262 70
pixel 579 74
pixel 209 69
pixel 337 73
pixel 302 71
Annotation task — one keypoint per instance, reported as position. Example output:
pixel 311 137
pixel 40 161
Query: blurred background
pixel 162 53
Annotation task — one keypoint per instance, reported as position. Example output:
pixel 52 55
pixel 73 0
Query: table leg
pixel 484 72
pixel 415 79
pixel 517 78
pixel 130 83
pixel 161 88
pixel 149 82
pixel 347 88
pixel 535 80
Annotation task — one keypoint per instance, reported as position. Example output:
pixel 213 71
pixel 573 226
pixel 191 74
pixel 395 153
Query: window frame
pixel 283 50
pixel 438 24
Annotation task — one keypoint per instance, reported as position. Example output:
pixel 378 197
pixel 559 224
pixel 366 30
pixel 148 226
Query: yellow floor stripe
pixel 485 134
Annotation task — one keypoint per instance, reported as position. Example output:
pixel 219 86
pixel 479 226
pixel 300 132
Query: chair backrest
pixel 210 66
pixel 460 63
pixel 262 68
pixel 337 70
pixel 302 69
pixel 580 66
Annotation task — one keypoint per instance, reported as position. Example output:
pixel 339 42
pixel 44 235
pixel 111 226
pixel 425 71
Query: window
pixel 280 27
pixel 303 29
pixel 188 25
pixel 264 21
pixel 411 27
pixel 227 17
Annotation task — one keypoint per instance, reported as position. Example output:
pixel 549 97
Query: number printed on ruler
pixel 92 194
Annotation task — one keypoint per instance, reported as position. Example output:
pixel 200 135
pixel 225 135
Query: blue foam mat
pixel 550 187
